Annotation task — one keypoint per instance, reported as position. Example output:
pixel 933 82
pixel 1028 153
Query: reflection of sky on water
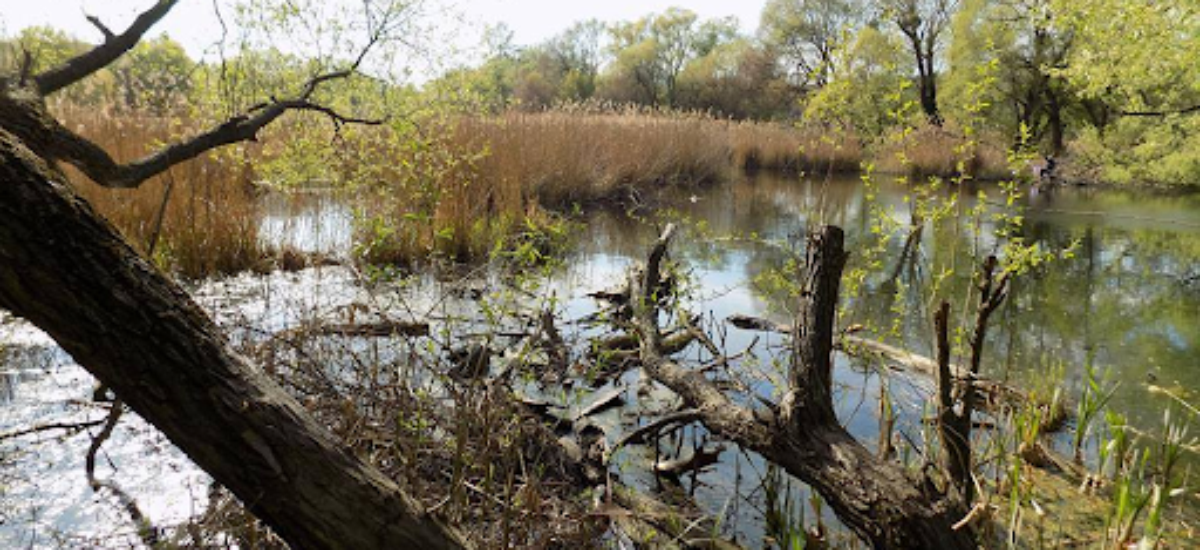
pixel 306 223
pixel 1122 303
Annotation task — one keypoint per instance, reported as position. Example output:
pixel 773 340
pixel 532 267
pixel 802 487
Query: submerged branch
pixel 146 530
pixel 69 427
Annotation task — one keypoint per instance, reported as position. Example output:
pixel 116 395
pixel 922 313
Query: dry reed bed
pixel 463 187
pixel 210 223
pixel 482 178
pixel 930 151
pixel 559 157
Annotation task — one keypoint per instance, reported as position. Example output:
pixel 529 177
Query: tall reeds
pixel 481 177
pixel 199 217
pixel 454 185
pixel 947 152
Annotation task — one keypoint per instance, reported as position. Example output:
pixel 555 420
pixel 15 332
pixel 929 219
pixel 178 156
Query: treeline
pixel 1110 84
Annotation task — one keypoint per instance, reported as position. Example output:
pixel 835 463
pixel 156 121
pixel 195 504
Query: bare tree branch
pixel 1163 113
pixel 95 21
pixel 79 67
pixel 69 427
pixel 146 530
pixel 27 118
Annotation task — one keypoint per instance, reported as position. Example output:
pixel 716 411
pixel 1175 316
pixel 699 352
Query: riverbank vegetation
pixel 486 414
pixel 606 110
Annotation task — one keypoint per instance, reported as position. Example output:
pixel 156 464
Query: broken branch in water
pixel 998 393
pixel 375 329
pixel 639 435
pixel 70 427
pixel 146 530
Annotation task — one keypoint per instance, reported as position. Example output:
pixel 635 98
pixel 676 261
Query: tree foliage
pixel 806 33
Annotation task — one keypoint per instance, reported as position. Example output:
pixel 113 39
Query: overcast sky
pixel 194 24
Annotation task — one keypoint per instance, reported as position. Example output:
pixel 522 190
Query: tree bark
pixel 70 273
pixel 954 427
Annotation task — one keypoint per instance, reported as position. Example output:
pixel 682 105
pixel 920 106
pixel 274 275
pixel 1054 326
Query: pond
pixel 1126 305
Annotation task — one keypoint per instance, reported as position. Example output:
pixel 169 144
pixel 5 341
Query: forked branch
pixel 81 66
pixel 23 112
pixel 877 499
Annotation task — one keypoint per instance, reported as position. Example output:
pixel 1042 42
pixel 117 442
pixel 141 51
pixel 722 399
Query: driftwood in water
pixel 880 500
pixel 624 347
pixel 998 394
pixel 686 526
pixel 612 397
pixel 378 329
pixel 654 428
pixel 699 459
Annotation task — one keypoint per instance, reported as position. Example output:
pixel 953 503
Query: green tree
pixel 1134 65
pixel 739 79
pixel 578 52
pixel 156 75
pixel 868 89
pixel 650 53
pixel 1028 47
pixel 806 33
pixel 923 23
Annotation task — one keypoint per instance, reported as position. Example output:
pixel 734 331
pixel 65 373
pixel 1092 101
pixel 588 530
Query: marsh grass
pixel 947 152
pixel 471 185
pixel 561 157
pixel 210 223
pixel 775 147
pixel 455 186
pixel 576 155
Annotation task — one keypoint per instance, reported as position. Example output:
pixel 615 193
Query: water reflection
pixel 1127 303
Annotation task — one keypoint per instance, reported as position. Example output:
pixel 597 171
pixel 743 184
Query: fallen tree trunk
pixel 878 499
pixel 996 393
pixel 70 273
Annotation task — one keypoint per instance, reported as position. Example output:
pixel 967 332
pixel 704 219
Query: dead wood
pixel 685 524
pixel 999 395
pixel 68 427
pixel 624 347
pixel 376 329
pixel 696 460
pixel 877 499
pixel 612 397
pixel 654 428
pixel 145 529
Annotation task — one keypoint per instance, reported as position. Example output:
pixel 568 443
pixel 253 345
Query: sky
pixel 194 24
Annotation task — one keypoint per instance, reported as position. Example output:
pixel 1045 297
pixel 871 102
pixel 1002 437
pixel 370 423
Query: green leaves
pixel 1139 54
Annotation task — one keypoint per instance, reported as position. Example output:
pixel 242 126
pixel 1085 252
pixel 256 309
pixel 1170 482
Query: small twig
pixel 69 427
pixel 678 417
pixel 146 530
pixel 162 214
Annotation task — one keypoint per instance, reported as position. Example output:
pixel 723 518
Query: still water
pixel 1126 304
